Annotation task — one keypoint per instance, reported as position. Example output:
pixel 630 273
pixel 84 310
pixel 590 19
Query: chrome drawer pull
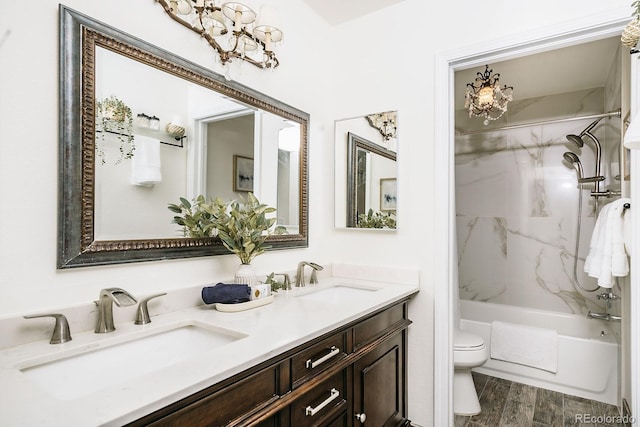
pixel 309 411
pixel 332 352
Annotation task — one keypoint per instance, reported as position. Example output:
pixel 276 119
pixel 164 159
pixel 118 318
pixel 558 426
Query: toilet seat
pixel 466 341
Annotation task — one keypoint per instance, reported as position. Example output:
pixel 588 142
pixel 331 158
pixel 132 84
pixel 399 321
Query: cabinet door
pixel 379 391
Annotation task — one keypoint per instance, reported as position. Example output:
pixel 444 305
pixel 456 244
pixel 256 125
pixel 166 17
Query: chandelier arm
pixel 248 59
pixel 224 55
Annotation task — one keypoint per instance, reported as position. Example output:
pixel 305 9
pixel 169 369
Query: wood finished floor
pixel 506 403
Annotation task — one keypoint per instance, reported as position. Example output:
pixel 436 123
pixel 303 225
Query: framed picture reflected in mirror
pixel 388 194
pixel 242 173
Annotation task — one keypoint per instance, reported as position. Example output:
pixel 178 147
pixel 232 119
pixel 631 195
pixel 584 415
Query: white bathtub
pixel 587 360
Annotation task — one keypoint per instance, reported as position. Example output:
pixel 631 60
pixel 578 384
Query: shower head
pixel 576 140
pixel 574 161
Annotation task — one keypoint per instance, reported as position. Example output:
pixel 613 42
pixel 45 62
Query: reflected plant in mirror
pixel 114 117
pixel 376 220
pixel 194 217
pixel 366 171
pixel 196 124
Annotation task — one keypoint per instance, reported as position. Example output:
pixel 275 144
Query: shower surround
pixel 517 208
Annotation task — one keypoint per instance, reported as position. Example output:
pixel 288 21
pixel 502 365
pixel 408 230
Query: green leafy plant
pixel 636 12
pixel 114 116
pixel 195 218
pixel 376 220
pixel 276 285
pixel 241 226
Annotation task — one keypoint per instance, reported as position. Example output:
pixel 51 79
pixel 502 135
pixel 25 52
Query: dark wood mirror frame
pixel 77 247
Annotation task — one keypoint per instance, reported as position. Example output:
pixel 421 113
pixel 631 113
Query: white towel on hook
pixel 145 164
pixel 593 261
pixel 619 258
pixel 607 256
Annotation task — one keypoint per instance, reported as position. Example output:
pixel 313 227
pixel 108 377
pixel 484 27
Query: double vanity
pixel 328 354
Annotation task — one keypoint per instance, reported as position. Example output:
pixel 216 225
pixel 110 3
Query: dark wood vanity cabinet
pixel 353 376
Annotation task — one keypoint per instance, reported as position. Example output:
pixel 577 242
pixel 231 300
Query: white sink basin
pixel 337 294
pixel 73 376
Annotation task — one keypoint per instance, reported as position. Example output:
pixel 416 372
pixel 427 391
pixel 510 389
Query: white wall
pixel 381 62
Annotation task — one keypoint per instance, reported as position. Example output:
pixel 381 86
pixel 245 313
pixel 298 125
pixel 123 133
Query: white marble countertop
pixel 263 332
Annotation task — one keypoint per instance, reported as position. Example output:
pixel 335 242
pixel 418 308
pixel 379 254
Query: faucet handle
pixel 61 332
pixel 142 315
pixel 287 281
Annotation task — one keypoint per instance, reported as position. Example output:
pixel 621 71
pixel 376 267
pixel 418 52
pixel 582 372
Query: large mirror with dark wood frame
pixel 141 128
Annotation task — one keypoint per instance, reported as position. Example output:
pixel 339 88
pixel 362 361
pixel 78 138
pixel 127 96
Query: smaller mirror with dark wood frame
pixel 142 127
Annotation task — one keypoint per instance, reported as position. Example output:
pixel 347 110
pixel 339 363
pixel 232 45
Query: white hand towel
pixel 525 345
pixel 605 278
pixel 607 256
pixel 593 262
pixel 619 259
pixel 145 165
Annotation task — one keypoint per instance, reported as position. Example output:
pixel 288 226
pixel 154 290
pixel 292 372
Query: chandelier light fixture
pixel 485 98
pixel 233 29
pixel 385 123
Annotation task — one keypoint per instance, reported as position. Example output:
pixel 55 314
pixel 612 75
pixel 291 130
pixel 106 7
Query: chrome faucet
pixel 300 273
pixel 108 296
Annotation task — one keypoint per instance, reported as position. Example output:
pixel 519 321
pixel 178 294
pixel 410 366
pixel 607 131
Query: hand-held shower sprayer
pixel 574 161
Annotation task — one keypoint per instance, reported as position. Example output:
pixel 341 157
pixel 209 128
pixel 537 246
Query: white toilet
pixel 469 351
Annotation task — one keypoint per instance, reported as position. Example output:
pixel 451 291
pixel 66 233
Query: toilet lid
pixel 463 340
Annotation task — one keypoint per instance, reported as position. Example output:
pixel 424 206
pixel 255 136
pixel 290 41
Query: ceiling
pixel 339 11
pixel 568 69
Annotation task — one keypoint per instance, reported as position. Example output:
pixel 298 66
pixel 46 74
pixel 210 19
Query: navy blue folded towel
pixel 226 294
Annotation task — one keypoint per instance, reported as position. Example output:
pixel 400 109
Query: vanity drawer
pixel 320 405
pixel 234 402
pixel 369 329
pixel 318 357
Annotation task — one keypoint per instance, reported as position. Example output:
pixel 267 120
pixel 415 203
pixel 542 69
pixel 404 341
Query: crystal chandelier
pixel 486 98
pixel 233 29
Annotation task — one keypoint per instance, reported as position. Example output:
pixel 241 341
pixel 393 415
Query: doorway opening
pixel 447 65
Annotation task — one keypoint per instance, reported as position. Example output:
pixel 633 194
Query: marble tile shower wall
pixel 517 214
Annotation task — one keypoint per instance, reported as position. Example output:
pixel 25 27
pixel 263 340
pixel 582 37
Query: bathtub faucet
pixel 604 316
pixel 609 297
